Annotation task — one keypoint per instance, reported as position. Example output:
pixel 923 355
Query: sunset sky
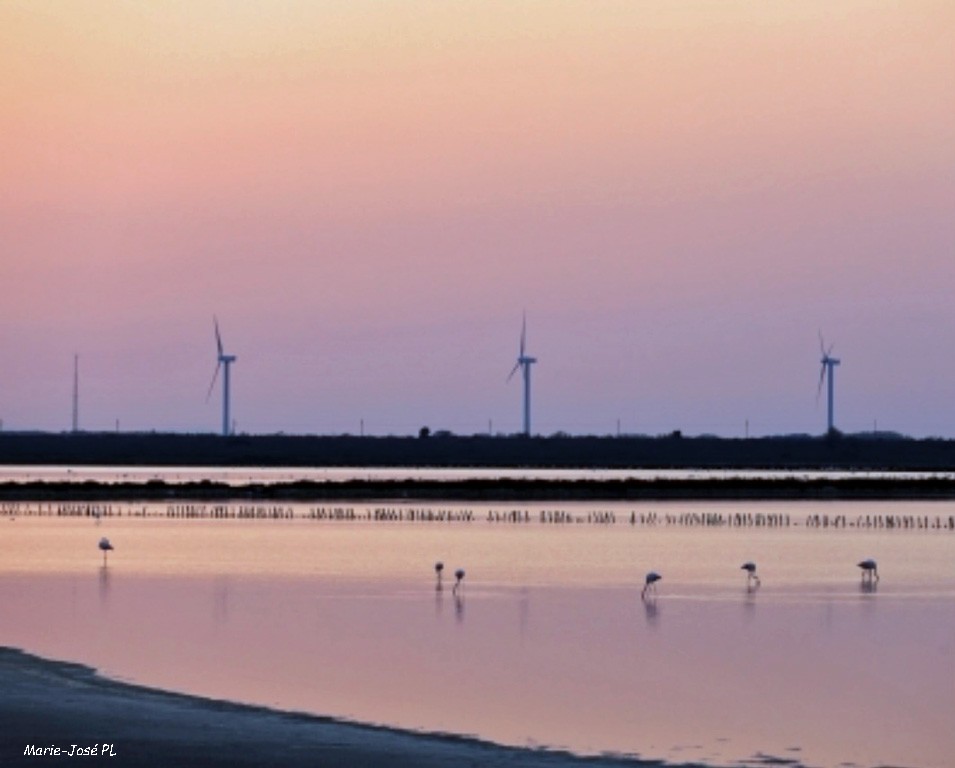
pixel 369 194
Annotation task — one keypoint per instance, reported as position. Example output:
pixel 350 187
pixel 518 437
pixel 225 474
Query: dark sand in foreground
pixel 46 703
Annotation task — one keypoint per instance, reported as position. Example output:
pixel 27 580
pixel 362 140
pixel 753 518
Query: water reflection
pixel 103 583
pixel 749 596
pixel 220 601
pixel 749 603
pixel 650 611
pixel 523 610
pixel 271 475
pixel 154 625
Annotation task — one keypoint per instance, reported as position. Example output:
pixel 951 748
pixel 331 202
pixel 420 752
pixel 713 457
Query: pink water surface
pixel 548 643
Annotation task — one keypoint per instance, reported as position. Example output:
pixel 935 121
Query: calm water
pixel 266 476
pixel 548 643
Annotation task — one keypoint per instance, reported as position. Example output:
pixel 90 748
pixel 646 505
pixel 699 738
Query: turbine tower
pixel 223 360
pixel 524 363
pixel 827 372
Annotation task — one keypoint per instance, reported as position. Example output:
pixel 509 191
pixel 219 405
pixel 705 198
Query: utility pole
pixel 76 393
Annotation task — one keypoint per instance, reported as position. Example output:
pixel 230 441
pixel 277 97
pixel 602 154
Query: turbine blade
pixel 514 370
pixel 523 334
pixel 214 377
pixel 822 376
pixel 822 345
pixel 215 320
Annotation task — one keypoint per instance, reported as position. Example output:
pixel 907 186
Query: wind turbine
pixel 524 362
pixel 226 360
pixel 827 372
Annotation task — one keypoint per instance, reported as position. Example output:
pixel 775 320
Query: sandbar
pixel 58 704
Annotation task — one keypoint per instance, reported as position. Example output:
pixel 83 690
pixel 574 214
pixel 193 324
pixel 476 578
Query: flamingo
pixel 750 568
pixel 651 583
pixel 106 547
pixel 459 577
pixel 870 570
pixel 438 568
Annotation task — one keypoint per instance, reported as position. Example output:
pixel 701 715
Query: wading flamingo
pixel 650 585
pixel 106 547
pixel 870 571
pixel 750 568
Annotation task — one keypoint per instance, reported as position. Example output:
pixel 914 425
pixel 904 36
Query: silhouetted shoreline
pixel 845 452
pixel 506 489
pixel 57 704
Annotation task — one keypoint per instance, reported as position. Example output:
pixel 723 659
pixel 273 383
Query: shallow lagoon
pixel 548 642
pixel 239 476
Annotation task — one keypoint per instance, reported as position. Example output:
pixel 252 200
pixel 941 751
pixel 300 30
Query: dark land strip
pixel 852 452
pixel 927 458
pixel 502 490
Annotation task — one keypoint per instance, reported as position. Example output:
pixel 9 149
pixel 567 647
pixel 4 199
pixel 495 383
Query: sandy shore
pixel 47 703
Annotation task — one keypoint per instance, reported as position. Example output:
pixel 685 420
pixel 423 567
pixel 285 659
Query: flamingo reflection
pixel 103 583
pixel 651 611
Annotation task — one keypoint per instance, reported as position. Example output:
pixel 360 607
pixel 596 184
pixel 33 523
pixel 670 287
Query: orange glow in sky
pixel 369 194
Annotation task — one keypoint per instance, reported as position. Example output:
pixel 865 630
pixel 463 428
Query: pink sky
pixel 369 194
